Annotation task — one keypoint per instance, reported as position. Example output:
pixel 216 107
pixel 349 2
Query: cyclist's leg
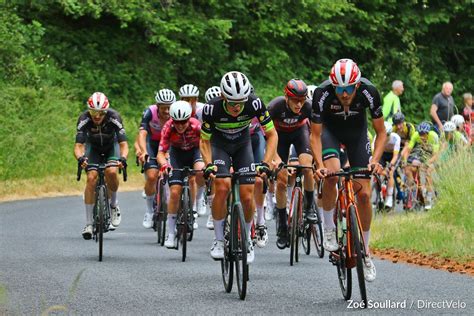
pixel 281 193
pixel 89 191
pixel 305 157
pixel 222 160
pixel 151 177
pixel 111 177
pixel 258 148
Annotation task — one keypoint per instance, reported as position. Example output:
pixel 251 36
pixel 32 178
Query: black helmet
pixel 398 118
pixel 296 88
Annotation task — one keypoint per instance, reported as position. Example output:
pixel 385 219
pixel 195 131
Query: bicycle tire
pixel 317 234
pixel 294 226
pixel 184 223
pixel 227 263
pixel 344 274
pixel 102 202
pixel 357 243
pixel 240 250
pixel 164 214
pixel 306 240
pixel 191 220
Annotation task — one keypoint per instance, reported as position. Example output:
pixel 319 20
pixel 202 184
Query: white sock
pixel 171 223
pixel 113 198
pixel 260 215
pixel 149 203
pixel 329 219
pixel 248 226
pixel 390 191
pixel 200 192
pixel 219 229
pixel 89 211
pixel 366 239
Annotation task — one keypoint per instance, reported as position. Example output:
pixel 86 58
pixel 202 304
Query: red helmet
pixel 296 88
pixel 344 73
pixel 98 102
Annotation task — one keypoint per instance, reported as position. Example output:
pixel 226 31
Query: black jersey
pixel 216 121
pixel 284 118
pixel 329 111
pixel 104 135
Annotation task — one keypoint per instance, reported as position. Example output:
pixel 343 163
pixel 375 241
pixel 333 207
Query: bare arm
pixel 206 153
pixel 123 149
pixel 79 150
pixel 161 158
pixel 316 144
pixel 270 150
pixel 381 137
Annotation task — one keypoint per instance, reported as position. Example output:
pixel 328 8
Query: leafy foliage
pixel 129 49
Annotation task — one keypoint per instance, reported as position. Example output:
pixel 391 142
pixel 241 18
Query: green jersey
pixel 391 105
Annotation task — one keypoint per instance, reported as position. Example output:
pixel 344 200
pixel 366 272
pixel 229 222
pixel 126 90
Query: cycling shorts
pixel 179 159
pixel 258 145
pixel 96 155
pixel 386 158
pixel 152 150
pixel 238 155
pixel 293 154
pixel 357 147
pixel 298 138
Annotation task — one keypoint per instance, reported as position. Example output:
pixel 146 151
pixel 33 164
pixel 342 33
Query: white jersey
pixel 393 143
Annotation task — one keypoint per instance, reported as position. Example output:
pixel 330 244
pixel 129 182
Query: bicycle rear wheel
pixel 317 234
pixel 163 214
pixel 359 253
pixel 227 264
pixel 306 239
pixel 240 250
pixel 101 205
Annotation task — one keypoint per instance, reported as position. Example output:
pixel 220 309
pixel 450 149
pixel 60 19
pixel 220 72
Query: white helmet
pixel 345 72
pixel 388 127
pixel 165 96
pixel 458 120
pixel 235 86
pixel 180 110
pixel 212 92
pixel 188 91
pixel 311 89
pixel 449 126
pixel 98 102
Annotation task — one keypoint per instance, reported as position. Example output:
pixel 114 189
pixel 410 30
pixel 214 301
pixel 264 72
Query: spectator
pixel 391 102
pixel 442 107
pixel 468 114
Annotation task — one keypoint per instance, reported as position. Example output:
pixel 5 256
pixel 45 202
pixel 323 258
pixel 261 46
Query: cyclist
pixel 458 120
pixel 404 129
pixel 421 152
pixel 311 89
pixel 225 137
pixel 190 93
pixel 389 158
pixel 453 140
pixel 100 131
pixel 290 115
pixel 179 136
pixel 339 117
pixel 211 93
pixel 149 136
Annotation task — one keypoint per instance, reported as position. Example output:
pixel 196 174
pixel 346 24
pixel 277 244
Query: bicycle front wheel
pixel 185 218
pixel 294 212
pixel 306 239
pixel 340 257
pixel 102 202
pixel 240 250
pixel 317 234
pixel 359 253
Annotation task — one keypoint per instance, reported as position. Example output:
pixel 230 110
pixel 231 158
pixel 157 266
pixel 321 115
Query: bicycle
pixel 415 192
pixel 235 238
pixel 298 226
pixel 101 213
pixel 351 252
pixel 185 217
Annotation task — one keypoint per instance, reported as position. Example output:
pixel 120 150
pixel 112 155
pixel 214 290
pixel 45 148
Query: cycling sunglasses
pixel 349 89
pixel 233 104
pixel 95 113
pixel 180 122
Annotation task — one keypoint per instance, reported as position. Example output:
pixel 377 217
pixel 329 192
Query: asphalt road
pixel 45 265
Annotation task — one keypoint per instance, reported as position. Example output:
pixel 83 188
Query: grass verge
pixel 447 230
